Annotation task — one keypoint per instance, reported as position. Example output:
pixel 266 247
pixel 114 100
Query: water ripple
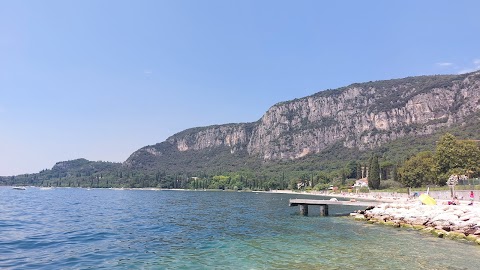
pixel 105 229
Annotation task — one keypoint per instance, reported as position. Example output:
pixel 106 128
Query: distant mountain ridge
pixel 361 116
pixel 323 131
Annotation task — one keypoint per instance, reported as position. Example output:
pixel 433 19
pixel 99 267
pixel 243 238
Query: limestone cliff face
pixel 234 136
pixel 359 116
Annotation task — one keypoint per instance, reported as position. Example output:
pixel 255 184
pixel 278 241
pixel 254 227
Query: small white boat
pixel 19 188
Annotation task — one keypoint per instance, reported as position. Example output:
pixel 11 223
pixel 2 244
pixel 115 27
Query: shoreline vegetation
pixel 376 168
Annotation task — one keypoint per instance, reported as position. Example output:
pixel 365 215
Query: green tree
pixel 386 168
pixel 304 179
pixel 446 154
pixel 350 169
pixel 292 184
pixel 395 173
pixel 359 171
pixel 219 182
pixel 322 177
pixel 453 156
pixel 374 173
pixel 418 170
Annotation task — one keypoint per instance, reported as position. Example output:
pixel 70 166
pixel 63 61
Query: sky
pixel 99 79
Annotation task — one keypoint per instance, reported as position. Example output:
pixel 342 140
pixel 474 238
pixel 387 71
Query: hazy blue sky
pixel 100 79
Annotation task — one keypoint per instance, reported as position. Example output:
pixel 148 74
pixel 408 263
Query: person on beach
pixel 471 197
pixel 454 201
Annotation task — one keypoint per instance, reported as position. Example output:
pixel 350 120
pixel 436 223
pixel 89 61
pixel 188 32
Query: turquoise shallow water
pixel 125 229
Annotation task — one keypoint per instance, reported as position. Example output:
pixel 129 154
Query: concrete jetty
pixel 304 203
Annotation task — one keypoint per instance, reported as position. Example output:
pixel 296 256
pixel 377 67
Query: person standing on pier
pixel 471 197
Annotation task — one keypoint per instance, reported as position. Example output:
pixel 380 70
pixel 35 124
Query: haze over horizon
pixel 101 79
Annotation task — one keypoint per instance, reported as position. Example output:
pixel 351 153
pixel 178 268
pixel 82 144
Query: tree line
pixel 451 156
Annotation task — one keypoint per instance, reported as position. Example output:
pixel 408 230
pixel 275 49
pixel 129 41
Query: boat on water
pixel 19 188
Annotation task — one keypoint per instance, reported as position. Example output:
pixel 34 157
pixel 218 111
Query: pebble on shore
pixel 444 221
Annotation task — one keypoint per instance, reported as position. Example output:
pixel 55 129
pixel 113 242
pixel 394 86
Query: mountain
pixel 360 116
pixel 81 170
pixel 327 131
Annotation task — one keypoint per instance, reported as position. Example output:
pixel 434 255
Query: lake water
pixel 141 229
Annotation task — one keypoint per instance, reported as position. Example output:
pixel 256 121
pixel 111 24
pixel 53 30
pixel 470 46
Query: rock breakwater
pixel 444 221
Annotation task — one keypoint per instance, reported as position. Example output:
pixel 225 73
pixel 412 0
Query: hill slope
pixel 361 116
pixel 324 131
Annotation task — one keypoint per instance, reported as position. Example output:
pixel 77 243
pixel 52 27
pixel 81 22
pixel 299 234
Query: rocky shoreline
pixel 460 222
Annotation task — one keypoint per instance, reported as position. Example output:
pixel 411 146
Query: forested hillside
pixel 320 139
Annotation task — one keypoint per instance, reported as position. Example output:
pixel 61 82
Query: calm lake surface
pixel 142 229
